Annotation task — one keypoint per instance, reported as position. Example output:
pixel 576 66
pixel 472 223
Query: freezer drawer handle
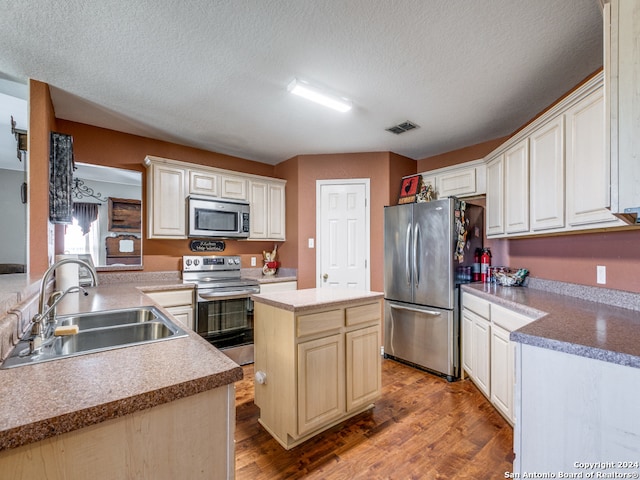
pixel 416 310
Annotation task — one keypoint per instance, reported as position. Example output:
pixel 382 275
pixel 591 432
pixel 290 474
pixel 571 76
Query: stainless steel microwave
pixel 209 217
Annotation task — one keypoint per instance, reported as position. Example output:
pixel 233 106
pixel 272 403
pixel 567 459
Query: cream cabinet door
pixel 267 200
pixel 259 210
pixel 363 366
pixel 495 197
pixel 502 371
pixel 467 344
pixel 622 70
pixel 204 183
pixel 458 183
pixel 321 382
pixel 516 188
pixel 588 193
pixel 167 208
pixel 547 176
pixel 481 354
pixel 183 314
pixel 233 187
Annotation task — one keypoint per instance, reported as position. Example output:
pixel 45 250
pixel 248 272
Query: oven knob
pixel 188 262
pixel 236 261
pixel 196 262
pixel 230 261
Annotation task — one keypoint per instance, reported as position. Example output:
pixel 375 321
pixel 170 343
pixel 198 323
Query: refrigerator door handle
pixel 416 310
pixel 407 243
pixel 416 245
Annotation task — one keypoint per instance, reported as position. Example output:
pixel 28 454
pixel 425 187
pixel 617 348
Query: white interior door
pixel 342 231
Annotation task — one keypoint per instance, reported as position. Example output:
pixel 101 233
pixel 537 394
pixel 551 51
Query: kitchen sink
pixel 99 331
pixel 109 318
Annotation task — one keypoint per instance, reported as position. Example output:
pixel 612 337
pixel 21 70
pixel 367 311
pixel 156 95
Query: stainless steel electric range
pixel 224 310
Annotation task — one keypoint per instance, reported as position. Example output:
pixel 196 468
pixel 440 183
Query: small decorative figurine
pixel 270 264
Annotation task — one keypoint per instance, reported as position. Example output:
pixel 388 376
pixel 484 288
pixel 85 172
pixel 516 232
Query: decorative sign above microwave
pixel 207 246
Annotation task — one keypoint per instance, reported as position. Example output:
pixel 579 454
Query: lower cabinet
pixel 191 437
pixel 487 353
pixel 278 286
pixel 502 365
pixel 177 302
pixel 476 348
pixel 315 369
pixel 573 408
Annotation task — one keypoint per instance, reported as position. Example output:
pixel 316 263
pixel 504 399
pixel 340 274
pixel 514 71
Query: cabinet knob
pixel 261 377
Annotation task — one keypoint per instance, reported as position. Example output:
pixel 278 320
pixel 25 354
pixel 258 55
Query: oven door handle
pixel 228 295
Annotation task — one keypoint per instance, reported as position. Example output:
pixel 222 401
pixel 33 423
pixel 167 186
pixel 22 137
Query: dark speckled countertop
pixel 565 323
pixel 47 399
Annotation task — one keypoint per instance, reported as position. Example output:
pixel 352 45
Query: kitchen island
pixel 577 378
pixel 159 410
pixel 317 359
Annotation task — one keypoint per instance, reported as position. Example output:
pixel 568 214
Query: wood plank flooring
pixel 422 427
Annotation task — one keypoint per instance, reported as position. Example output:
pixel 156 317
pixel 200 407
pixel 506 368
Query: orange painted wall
pixel 466 154
pixel 41 122
pixel 309 168
pixel 100 146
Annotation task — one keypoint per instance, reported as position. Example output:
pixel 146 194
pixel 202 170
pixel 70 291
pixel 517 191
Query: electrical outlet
pixel 311 243
pixel 601 274
pixel 253 261
pixel 382 350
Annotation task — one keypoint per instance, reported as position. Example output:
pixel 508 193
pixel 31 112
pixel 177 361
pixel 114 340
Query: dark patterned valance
pixel 86 214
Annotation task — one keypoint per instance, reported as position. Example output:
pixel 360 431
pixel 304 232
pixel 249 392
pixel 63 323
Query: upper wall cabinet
pixel 166 193
pixel 465 180
pixel 622 69
pixel 267 201
pixel 170 182
pixel 555 173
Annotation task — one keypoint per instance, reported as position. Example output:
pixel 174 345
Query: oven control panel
pixel 192 263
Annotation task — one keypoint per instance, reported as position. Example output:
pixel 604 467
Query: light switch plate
pixel 253 261
pixel 311 243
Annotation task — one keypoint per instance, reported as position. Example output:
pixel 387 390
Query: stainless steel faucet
pixel 42 303
pixel 41 319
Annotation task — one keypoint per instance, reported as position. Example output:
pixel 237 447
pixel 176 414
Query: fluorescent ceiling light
pixel 318 95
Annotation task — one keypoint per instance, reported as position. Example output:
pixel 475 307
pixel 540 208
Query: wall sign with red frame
pixel 409 188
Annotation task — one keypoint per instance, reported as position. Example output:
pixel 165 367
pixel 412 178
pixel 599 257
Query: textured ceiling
pixel 213 74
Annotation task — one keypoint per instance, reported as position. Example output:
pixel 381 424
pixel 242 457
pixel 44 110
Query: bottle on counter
pixel 476 264
pixel 485 263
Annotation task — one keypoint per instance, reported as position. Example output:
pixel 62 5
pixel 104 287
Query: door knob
pixel 325 276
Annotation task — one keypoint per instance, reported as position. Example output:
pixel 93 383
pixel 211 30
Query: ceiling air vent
pixel 402 127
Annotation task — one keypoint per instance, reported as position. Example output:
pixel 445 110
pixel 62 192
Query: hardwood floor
pixel 421 428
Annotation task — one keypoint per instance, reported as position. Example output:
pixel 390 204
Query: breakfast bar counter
pixel 44 402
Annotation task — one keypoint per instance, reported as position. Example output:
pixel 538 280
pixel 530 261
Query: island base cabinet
pixel 315 369
pixel 572 409
pixel 188 438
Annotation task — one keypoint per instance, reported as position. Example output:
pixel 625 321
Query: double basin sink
pixel 99 331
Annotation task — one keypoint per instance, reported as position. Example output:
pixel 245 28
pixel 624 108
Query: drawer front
pixel 319 322
pixel 476 304
pixel 172 298
pixel 368 313
pixel 508 319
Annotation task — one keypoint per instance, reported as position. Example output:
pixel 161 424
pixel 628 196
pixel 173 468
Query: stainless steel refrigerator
pixel 429 250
